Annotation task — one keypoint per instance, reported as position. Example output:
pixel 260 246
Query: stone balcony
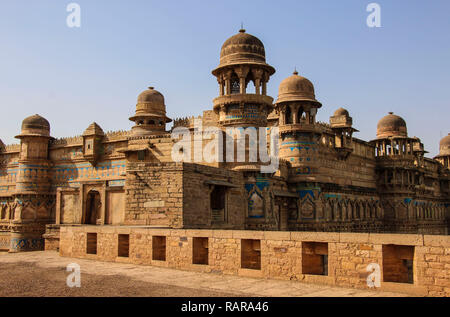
pixel 237 98
pixel 300 127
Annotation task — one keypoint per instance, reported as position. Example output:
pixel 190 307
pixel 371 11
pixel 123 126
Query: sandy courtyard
pixel 44 274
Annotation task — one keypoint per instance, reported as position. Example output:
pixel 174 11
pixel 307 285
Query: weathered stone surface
pixel 281 257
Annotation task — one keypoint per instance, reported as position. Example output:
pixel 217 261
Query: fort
pixel 335 204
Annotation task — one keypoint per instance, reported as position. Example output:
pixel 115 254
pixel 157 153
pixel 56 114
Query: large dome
pixel 391 125
pixel 243 48
pixel 150 103
pixel 35 125
pixel 444 145
pixel 296 88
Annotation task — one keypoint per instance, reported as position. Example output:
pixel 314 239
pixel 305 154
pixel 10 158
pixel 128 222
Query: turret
pixel 150 117
pixel 444 152
pixel 243 61
pixel 296 107
pixel 33 161
pixel 341 123
pixel 92 143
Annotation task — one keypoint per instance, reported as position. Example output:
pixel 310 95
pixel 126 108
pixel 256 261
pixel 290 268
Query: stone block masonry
pixel 177 195
pixel 154 195
pixel 411 264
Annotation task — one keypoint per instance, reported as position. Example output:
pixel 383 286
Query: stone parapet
pixel 413 264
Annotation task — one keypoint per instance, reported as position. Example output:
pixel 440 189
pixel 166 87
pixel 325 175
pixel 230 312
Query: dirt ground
pixel 43 274
pixel 27 279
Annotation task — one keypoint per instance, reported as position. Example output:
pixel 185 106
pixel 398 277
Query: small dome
pixel 150 103
pixel 35 125
pixel 341 119
pixel 444 145
pixel 391 125
pixel 341 112
pixel 296 88
pixel 151 96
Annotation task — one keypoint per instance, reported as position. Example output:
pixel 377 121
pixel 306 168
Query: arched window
pixel 218 203
pixel 338 210
pixel 3 211
pixel 288 116
pixel 357 211
pixel 299 114
pixel 235 85
pixel 93 205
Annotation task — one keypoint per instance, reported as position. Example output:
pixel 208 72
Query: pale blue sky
pixel 76 76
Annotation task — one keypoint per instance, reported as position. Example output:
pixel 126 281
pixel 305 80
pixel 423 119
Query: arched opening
pixel 218 203
pixel 250 79
pixel 357 211
pixel 3 211
pixel 349 211
pixel 338 212
pixel 235 84
pixel 326 210
pixel 93 205
pixel 299 114
pixel 288 115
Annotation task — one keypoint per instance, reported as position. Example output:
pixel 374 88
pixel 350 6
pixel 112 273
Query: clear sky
pixel 74 76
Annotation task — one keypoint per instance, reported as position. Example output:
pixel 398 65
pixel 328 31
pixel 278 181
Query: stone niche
pixel 200 251
pixel 315 258
pixel 159 248
pixel 91 243
pixel 251 254
pixel 70 207
pixel 398 263
pixel 123 248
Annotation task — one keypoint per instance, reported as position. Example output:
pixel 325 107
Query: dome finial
pixel 151 87
pixel 295 71
pixel 242 30
pixel 390 112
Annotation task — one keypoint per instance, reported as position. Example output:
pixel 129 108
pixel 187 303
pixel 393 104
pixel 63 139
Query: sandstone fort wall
pixel 409 263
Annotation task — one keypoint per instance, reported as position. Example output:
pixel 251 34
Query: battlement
pixel 187 122
pixel 72 140
pixel 119 135
pixel 12 148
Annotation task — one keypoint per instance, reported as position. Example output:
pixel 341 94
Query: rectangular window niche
pixel 315 258
pixel 124 245
pixel 91 243
pixel 398 263
pixel 251 254
pixel 200 251
pixel 159 248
